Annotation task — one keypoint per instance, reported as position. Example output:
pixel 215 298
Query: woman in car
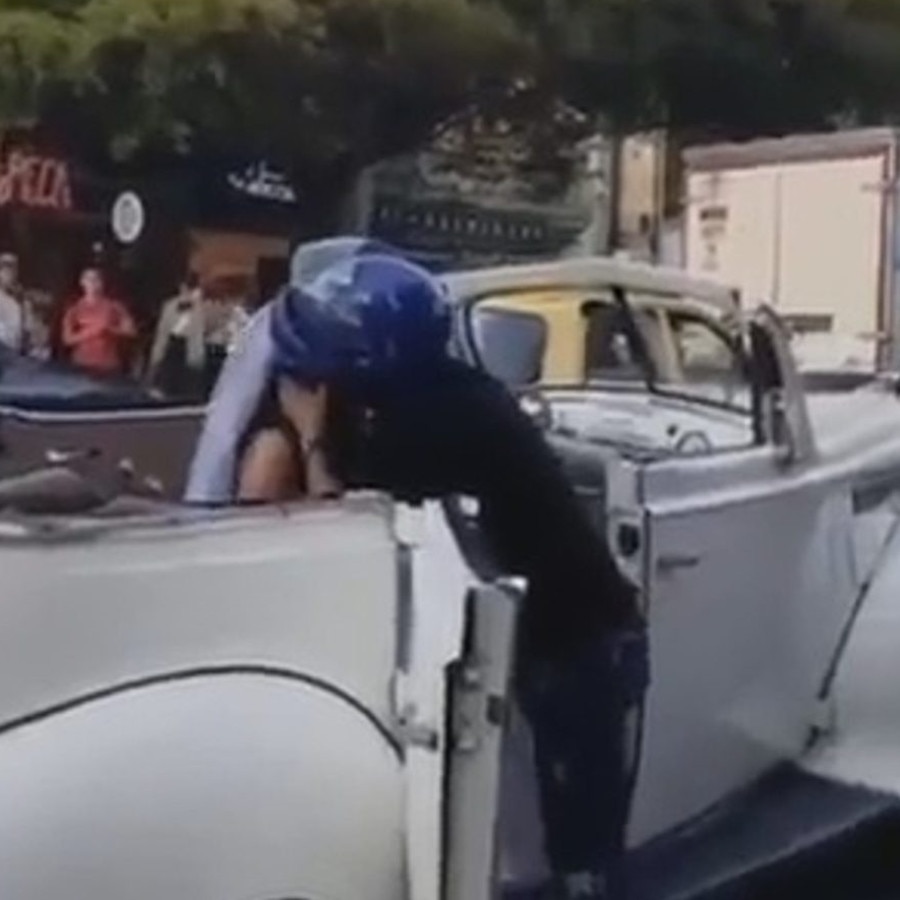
pixel 289 450
pixel 251 447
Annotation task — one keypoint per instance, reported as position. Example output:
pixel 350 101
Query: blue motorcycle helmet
pixel 361 321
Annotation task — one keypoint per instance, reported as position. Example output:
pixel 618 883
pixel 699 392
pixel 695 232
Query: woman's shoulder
pixel 270 439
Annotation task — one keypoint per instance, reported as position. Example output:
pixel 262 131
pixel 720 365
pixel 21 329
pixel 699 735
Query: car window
pixel 608 350
pixel 587 338
pixel 559 310
pixel 702 351
pixel 706 357
pixel 511 343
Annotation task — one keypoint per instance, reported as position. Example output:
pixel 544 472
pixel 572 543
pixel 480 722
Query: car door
pixel 747 589
pixel 210 698
pixel 457 626
pixel 480 700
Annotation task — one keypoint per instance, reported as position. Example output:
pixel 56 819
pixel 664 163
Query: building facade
pixel 489 187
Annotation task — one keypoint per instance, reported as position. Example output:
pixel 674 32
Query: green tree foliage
pixel 323 87
pixel 34 53
pixel 735 66
pixel 320 87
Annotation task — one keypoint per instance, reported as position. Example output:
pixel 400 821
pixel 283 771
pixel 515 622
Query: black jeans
pixel 579 710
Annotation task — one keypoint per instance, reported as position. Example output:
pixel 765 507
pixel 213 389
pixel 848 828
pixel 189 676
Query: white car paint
pixel 634 418
pixel 208 704
pixel 753 560
pixel 864 747
pixel 174 596
pixel 202 789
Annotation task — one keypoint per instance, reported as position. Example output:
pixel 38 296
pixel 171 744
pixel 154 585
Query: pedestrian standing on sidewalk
pixel 178 356
pixel 11 319
pixel 98 330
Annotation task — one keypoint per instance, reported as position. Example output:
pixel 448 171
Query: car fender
pixel 228 786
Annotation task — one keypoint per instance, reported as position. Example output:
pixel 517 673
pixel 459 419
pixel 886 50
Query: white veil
pixel 243 380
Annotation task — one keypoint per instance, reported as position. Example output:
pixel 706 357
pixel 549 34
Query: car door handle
pixel 672 561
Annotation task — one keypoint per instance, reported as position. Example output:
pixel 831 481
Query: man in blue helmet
pixel 371 333
pixel 246 378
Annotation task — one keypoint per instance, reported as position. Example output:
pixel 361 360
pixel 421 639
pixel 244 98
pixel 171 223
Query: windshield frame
pixel 649 381
pixel 742 359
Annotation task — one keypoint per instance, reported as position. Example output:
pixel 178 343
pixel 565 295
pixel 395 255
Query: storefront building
pixel 145 226
pixel 53 214
pixel 241 224
pixel 230 226
pixel 487 189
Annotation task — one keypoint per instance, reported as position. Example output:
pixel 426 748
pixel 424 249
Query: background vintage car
pixel 112 430
pixel 687 341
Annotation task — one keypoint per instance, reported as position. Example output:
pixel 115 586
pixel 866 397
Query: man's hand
pixel 305 408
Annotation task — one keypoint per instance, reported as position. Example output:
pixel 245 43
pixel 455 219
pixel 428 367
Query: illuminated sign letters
pixel 33 181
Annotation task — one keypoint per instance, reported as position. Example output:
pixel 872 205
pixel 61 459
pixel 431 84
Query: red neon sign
pixel 39 182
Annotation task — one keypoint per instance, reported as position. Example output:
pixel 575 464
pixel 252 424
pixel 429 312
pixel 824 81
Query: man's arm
pixel 72 331
pixel 305 409
pixel 8 332
pixel 160 339
pixel 533 515
pixel 123 323
pixel 12 329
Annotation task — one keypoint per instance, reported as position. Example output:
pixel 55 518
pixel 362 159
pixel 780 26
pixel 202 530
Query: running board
pixel 792 835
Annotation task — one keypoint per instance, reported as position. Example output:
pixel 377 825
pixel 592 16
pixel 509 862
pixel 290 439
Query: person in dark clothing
pixel 457 431
pixel 372 334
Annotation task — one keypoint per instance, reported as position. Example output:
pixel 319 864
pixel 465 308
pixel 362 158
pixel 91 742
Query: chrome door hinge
pixel 414 733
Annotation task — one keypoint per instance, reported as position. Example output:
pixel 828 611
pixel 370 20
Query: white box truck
pixel 807 223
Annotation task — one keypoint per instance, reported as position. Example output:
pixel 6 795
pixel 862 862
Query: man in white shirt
pixel 11 323
pixel 178 355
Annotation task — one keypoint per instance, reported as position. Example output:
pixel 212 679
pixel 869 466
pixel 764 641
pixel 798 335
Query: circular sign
pixel 128 217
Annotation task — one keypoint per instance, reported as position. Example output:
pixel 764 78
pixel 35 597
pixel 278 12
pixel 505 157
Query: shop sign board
pixel 128 217
pixel 35 181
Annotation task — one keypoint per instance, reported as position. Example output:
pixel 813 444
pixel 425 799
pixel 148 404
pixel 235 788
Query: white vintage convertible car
pixel 313 702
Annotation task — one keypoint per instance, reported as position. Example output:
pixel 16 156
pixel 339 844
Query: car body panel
pixel 123 797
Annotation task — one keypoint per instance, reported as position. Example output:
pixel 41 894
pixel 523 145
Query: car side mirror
pixel 510 344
